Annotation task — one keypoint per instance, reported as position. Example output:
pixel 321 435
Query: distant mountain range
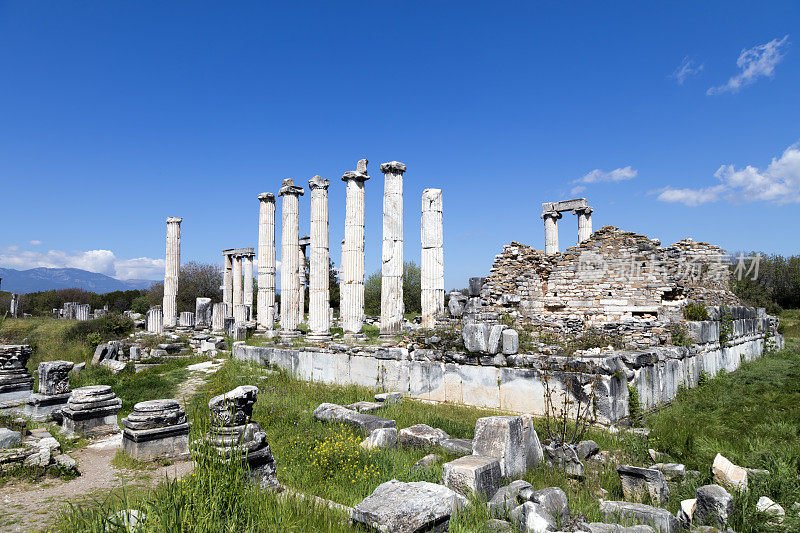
pixel 45 279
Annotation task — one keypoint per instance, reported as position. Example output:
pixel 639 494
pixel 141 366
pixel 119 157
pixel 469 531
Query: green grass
pixel 790 322
pixel 47 337
pixel 752 417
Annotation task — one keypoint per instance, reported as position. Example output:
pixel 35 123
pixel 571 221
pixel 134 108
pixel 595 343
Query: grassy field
pixel 751 416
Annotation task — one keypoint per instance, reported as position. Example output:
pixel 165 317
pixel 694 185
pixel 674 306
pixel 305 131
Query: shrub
pixel 111 326
pixel 679 335
pixel 695 311
pixel 634 405
pixel 725 326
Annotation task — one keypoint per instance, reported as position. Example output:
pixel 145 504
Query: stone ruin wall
pixel 621 282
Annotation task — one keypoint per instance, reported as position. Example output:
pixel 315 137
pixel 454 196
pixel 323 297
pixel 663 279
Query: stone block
pixel 671 471
pixel 510 342
pixel 473 474
pixel 336 413
pixel 457 446
pixel 9 438
pixel 90 408
pixel 381 438
pixel 637 483
pixel 553 499
pixel 714 506
pixel 534 518
pixel 728 474
pixel 495 338
pixel 502 437
pixel 397 507
pixel 476 337
pixel 638 513
pixel 156 428
pixel 565 458
pixel 421 435
pixel 533 447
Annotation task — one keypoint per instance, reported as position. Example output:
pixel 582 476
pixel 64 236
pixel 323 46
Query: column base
pixel 351 337
pixel 318 336
pixel 290 333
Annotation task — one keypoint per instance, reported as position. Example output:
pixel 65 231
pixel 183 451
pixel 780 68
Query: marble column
pixel 170 303
pixel 432 257
pixel 584 223
pixel 218 315
pixel 266 260
pixel 227 283
pixel 155 320
pixel 551 231
pixel 247 281
pixel 392 257
pixel 300 308
pixel 319 321
pixel 238 295
pixel 290 256
pixel 351 303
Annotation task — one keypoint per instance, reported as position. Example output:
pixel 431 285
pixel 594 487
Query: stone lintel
pixel 266 197
pixel 318 182
pixel 354 175
pixel 289 187
pixel 394 167
pixel 564 205
pixel 238 252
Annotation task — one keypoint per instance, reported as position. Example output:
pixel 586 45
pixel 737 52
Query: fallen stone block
pixel 472 474
pixel 714 506
pixel 597 527
pixel 9 438
pixel 397 507
pixel 586 449
pixel 381 438
pixel 553 499
pixel 565 458
pixel 502 437
pixel 770 508
pixel 426 462
pixel 421 435
pixel 660 519
pixel 638 482
pixel 389 398
pixel 534 454
pixel 728 474
pixel 456 446
pixel 533 517
pixel 330 412
pixel 506 499
pixel 686 512
pixel 365 407
pixel 671 471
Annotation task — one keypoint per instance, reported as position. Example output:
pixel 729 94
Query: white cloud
pixel 100 261
pixel 35 242
pixel 618 174
pixel 577 190
pixel 754 63
pixel 688 67
pixel 778 183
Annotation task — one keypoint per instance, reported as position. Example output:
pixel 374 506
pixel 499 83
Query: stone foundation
pixel 478 381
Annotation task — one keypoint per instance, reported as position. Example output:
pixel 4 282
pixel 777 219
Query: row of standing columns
pixel 237 283
pixel 352 265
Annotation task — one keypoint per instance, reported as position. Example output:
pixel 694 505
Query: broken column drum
pixel 290 257
pixel 218 316
pixel 319 278
pixel 392 256
pixel 584 223
pixel 234 434
pixel 432 273
pixel 171 271
pixel 227 282
pixel 202 313
pixel 186 319
pixel 15 382
pixel 155 320
pixel 266 261
pixel 83 311
pixel 53 391
pixel 247 281
pixel 156 428
pixel 351 305
pixel 89 408
pixel 240 313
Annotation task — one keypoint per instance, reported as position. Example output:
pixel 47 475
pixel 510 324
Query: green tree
pixel 195 280
pixel 412 290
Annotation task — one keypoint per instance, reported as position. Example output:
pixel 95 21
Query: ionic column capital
pixel 551 214
pixel 354 175
pixel 393 167
pixel 267 197
pixel 174 220
pixel 318 182
pixel 289 188
pixel 583 211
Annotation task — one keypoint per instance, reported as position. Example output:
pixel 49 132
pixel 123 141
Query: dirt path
pixel 26 507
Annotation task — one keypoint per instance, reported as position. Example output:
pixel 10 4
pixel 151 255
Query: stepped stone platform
pixel 156 428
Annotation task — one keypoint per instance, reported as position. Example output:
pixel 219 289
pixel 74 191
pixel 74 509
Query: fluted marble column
pixel 247 281
pixel 319 321
pixel 551 231
pixel 351 303
pixel 173 267
pixel 432 257
pixel 300 308
pixel 584 223
pixel 266 260
pixel 238 295
pixel 392 257
pixel 290 256
pixel 227 283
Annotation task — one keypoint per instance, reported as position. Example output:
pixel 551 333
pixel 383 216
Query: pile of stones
pixel 235 436
pixel 156 428
pixel 36 449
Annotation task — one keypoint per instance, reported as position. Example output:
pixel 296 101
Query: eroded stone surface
pixel 421 435
pixel 639 513
pixel 54 377
pixel 637 483
pixel 714 506
pixel 502 437
pixel 473 475
pixel 336 413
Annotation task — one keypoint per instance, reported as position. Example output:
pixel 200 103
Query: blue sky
pixel 675 120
